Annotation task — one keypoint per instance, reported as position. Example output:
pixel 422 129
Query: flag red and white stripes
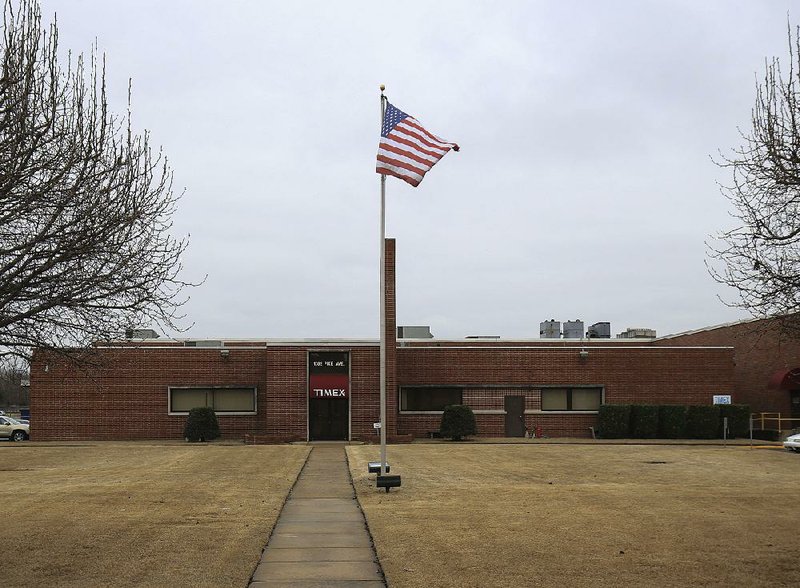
pixel 406 150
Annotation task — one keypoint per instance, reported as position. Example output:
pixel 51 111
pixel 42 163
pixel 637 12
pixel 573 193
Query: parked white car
pixel 13 429
pixel 792 442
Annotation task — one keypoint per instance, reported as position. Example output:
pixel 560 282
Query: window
pixel 429 398
pixel 585 399
pixel 572 398
pixel 233 400
pixel 555 399
pixel 183 400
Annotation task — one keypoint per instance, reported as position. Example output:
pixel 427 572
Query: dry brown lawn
pixel 585 515
pixel 136 514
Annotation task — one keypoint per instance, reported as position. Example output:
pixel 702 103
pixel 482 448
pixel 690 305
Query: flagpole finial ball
pixel 383 87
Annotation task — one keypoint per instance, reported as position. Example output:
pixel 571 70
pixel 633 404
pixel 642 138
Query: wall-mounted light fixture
pixel 225 353
pixel 583 354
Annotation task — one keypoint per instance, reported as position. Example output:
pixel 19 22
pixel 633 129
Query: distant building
pixel 637 333
pixel 766 365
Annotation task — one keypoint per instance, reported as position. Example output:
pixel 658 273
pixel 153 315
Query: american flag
pixel 407 151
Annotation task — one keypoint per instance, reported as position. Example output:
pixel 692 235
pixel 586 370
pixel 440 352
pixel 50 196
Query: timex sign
pixel 328 386
pixel 328 374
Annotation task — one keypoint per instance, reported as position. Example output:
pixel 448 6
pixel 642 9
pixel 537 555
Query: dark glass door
pixel 328 419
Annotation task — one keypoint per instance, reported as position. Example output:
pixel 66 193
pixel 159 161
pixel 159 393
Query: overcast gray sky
pixel 584 186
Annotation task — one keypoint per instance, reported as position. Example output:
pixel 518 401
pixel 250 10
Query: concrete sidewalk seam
pixel 297 553
pixel 280 512
pixel 363 514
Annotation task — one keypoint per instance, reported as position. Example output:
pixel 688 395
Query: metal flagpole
pixel 383 304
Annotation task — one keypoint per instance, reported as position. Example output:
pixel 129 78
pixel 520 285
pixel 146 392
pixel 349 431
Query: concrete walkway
pixel 321 538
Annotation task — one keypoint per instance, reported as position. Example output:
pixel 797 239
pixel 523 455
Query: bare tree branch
pixel 86 204
pixel 760 257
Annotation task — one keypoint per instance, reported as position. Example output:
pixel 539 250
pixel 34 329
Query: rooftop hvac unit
pixel 140 334
pixel 600 331
pixel 418 332
pixel 550 329
pixel 573 329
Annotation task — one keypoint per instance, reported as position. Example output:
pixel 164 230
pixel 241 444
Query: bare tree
pixel 85 203
pixel 760 257
pixel 14 380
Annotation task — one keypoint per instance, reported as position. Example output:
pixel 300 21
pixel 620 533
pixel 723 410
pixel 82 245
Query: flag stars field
pixel 407 150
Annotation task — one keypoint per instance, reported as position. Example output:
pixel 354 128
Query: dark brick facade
pixel 760 351
pixel 126 397
pixel 627 373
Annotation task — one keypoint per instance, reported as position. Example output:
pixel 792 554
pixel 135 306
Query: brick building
pixel 766 372
pixel 329 389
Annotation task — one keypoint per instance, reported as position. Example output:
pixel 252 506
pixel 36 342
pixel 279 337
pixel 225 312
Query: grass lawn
pixel 137 514
pixel 584 515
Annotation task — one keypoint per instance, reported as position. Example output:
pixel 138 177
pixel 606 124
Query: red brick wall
pixel 287 404
pixel 644 374
pixel 760 351
pixel 126 396
pixel 628 374
pixel 365 397
pixel 287 390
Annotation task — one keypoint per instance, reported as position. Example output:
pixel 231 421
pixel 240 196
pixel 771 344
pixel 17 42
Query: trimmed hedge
pixel 644 421
pixel 738 419
pixel 614 421
pixel 702 422
pixel 672 421
pixel 458 421
pixel 201 424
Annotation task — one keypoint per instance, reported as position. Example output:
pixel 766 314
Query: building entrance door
pixel 328 395
pixel 515 416
pixel 328 419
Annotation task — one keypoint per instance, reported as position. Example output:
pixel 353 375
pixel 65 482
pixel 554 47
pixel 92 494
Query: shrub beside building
pixel 672 421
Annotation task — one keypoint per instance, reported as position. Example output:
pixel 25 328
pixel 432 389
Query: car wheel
pixel 18 436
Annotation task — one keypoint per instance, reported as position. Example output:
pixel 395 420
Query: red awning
pixel 785 380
